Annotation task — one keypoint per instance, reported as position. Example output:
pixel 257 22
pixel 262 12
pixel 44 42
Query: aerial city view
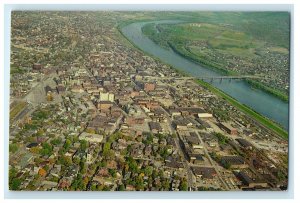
pixel 149 101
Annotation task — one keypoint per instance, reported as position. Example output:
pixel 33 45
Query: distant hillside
pixel 272 27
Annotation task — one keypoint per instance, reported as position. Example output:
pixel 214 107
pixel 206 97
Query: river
pixel 260 101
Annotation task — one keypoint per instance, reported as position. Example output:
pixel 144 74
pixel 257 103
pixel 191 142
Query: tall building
pixel 107 97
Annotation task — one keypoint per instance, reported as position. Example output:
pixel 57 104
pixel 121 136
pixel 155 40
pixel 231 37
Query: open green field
pixel 249 112
pixel 233 43
pixel 16 109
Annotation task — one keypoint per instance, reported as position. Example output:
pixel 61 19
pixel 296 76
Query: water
pixel 262 102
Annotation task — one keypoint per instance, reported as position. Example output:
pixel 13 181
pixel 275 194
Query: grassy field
pixel 256 116
pixel 16 109
pixel 232 43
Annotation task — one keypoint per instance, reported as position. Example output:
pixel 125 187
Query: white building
pixel 107 97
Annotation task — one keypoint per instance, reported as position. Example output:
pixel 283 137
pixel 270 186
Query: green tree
pixel 133 166
pixel 112 172
pixel 121 187
pixel 148 170
pixel 47 149
pixel 67 144
pixel 166 184
pixel 13 148
pixel 76 160
pixel 83 166
pixel 83 145
pixel 183 185
pixel 106 148
pixel 15 184
pixel 56 141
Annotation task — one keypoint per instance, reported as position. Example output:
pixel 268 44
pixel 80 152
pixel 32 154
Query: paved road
pixel 185 163
pixel 213 164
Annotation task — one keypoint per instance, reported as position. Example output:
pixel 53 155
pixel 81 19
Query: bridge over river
pixel 230 77
pixel 260 101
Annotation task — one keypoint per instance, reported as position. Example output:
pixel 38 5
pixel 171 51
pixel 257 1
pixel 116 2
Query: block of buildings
pixel 91 137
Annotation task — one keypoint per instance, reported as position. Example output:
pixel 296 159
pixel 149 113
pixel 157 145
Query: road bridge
pixel 230 77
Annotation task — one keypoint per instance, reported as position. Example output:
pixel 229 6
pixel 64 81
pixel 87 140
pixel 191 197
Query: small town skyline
pixel 91 112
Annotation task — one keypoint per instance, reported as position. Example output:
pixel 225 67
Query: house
pixel 155 127
pixel 48 184
pixel 60 89
pixel 34 144
pixel 233 162
pixel 134 121
pixel 244 143
pixel 250 182
pixel 204 124
pixel 195 111
pixel 48 89
pixel 37 66
pixel 149 87
pixel 205 115
pixel 65 183
pixel 195 158
pixel 148 150
pixel 182 124
pixel 91 137
pixel 104 105
pixel 228 128
pixel 173 164
pixel 130 188
pixel 174 112
pixel 193 140
pixel 204 172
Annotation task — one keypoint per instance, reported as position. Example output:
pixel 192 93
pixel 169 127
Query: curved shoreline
pixel 266 122
pixel 209 65
pixel 255 84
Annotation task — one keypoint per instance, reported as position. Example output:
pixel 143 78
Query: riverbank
pixel 178 47
pixel 208 64
pixel 248 111
pixel 254 115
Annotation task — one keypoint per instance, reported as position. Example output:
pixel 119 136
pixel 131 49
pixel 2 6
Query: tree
pixel 56 141
pixel 148 170
pixel 85 181
pixel 42 172
pixel 221 138
pixel 183 185
pixel 35 150
pixel 83 167
pixel 65 160
pixel 166 184
pixel 83 145
pixel 67 144
pixel 76 160
pixel 112 172
pixel 121 187
pixel 94 187
pixel 13 148
pixel 90 130
pixel 226 164
pixel 132 164
pixel 106 147
pixel 46 150
pixel 163 152
pixel 15 184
